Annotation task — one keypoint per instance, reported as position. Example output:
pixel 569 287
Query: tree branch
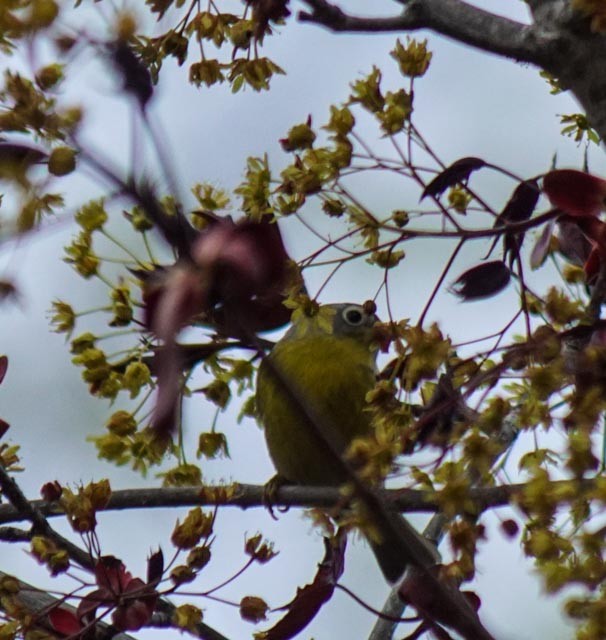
pixel 29 511
pixel 246 496
pixel 453 18
pixel 40 602
pixel 37 604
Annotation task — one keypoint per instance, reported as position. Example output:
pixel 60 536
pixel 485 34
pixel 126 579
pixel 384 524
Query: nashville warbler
pixel 327 364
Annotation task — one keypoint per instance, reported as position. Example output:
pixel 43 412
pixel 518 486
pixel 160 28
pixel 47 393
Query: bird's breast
pixel 309 386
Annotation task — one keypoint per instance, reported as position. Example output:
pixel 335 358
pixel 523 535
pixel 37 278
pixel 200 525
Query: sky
pixel 470 104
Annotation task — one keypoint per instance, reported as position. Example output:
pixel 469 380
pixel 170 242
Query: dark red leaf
pixel 459 171
pixel 87 608
pixel 235 278
pixel 541 246
pixel 111 574
pixel 309 600
pixel 592 266
pixel 263 313
pixel 418 590
pixel 4 427
pixel 482 281
pixel 51 491
pixel 512 243
pixel 593 229
pixel 132 616
pixel 3 367
pixel 575 192
pixel 521 204
pixel 135 611
pixel 240 260
pixel 172 297
pixel 64 621
pixel 155 567
pixel 572 242
pixel 518 208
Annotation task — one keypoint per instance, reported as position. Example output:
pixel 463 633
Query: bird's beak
pixel 382 335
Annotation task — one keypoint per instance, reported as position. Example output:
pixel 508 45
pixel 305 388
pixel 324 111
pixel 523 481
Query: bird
pixel 315 381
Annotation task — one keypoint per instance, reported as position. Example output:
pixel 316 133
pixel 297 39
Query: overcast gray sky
pixel 470 104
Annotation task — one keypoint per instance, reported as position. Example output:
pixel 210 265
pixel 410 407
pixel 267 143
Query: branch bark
pixel 246 496
pixel 453 18
pixel 559 40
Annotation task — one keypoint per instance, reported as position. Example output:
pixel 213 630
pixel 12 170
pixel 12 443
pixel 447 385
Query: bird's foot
pixel 270 493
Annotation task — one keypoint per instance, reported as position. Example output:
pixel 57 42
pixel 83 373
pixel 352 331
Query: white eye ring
pixel 354 316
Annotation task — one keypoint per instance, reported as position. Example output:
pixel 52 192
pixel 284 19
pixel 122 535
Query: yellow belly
pixel 331 377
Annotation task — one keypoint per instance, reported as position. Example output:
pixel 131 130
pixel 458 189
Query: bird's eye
pixel 353 316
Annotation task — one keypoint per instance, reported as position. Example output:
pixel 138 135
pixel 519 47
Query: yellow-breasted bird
pixel 325 363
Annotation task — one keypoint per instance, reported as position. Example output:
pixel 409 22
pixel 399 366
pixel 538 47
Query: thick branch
pixel 246 496
pixel 453 18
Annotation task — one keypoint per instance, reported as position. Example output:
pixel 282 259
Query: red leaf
pixel 155 567
pixel 595 232
pixel 309 600
pixel 541 246
pixel 482 281
pixel 3 367
pixel 263 313
pixel 87 608
pixel 572 242
pixel 592 266
pixel 521 204
pixel 236 268
pixel 593 229
pixel 240 260
pixel 236 278
pixel 133 616
pixel 458 171
pixel 111 574
pixel 132 599
pixel 51 491
pixel 418 590
pixel 575 192
pixel 172 297
pixel 137 609
pixel 4 427
pixel 64 621
pixel 518 208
